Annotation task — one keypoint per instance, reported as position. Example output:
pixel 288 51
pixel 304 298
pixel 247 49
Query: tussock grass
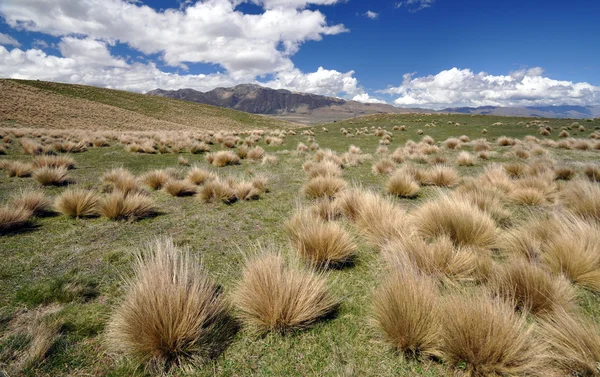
pixel 119 206
pixel 384 166
pixel 120 179
pixel 324 186
pixel 217 190
pixel 487 338
pixel 319 242
pixel 273 295
pixel 53 162
pixel 402 185
pixel 458 219
pixel 442 176
pixel 75 202
pixel 406 313
pixel 47 176
pixel 592 172
pixel 322 169
pixel 531 288
pixel 224 158
pixel 12 217
pixel 179 188
pixel 156 179
pixel 574 342
pixel 245 190
pixel 487 199
pixel 17 168
pixel 582 198
pixel 32 200
pixel 256 153
pixel 172 314
pixel 465 159
pixel 199 176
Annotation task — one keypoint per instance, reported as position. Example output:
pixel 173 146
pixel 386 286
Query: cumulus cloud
pixel 323 81
pixel 211 31
pixel 372 15
pixel 415 5
pixel 7 40
pixel 365 98
pixel 462 87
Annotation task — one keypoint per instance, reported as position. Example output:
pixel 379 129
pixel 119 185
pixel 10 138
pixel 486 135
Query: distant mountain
pixel 564 111
pixel 293 106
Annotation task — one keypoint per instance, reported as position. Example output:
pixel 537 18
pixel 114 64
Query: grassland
pixel 70 271
pixel 28 103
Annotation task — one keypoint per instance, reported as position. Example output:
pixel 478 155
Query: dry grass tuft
pixel 224 158
pixel 402 185
pixel 51 176
pixel 156 179
pixel 592 172
pixel 119 206
pixel 458 219
pixel 53 162
pixel 120 179
pixel 180 188
pixel 172 313
pixel 17 168
pixel 488 199
pixel 384 166
pixel 488 338
pixel 320 243
pixel 12 217
pixel 582 198
pixel 574 343
pixel 531 288
pixel 275 296
pixel 322 169
pixel 32 200
pixel 406 312
pixel 256 153
pixel 465 159
pixel 77 203
pixel 199 176
pixel 323 186
pixel 442 176
pixel 216 190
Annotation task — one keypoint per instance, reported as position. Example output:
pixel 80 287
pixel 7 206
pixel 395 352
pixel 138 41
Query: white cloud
pixel 365 98
pixel 462 87
pixel 211 31
pixel 323 81
pixel 372 15
pixel 415 5
pixel 7 40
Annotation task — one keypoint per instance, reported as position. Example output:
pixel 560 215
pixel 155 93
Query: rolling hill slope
pixel 39 104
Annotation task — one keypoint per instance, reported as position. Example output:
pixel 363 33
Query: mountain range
pixel 312 108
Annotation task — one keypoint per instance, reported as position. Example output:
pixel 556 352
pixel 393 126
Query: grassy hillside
pixel 65 275
pixel 50 105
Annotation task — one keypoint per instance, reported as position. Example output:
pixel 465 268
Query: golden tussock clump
pixel 458 219
pixel 179 188
pixel 487 199
pixel 242 151
pixel 121 206
pixel 504 141
pixel 574 343
pixel 565 173
pixel 156 179
pixel 183 161
pixel 326 186
pixel 223 158
pixel 77 203
pixel 326 210
pixel 515 169
pixel 582 198
pixel 302 148
pixel 487 338
pixel 528 196
pixel 120 179
pixel 322 169
pixel 17 168
pixel 273 295
pixel 442 176
pixel 53 162
pixel 12 217
pixel 402 185
pixel 51 176
pixel 270 159
pixel 31 147
pixel 451 143
pixel 465 159
pixel 320 243
pixel 32 200
pixel 199 176
pixel 172 313
pixel 592 172
pixel 439 258
pixel 406 313
pixel 217 190
pixel 245 190
pixel 256 153
pixel 531 288
pixel 384 166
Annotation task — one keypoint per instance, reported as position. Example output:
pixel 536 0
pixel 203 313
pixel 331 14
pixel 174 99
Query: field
pixel 512 201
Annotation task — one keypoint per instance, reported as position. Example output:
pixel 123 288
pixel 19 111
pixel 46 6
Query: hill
pixel 298 107
pixel 66 106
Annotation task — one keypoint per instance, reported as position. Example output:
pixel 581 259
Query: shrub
pixel 172 314
pixel 402 185
pixel 531 288
pixel 12 217
pixel 319 242
pixel 458 219
pixel 327 186
pixel 488 338
pixel 77 203
pixel 224 158
pixel 180 188
pixel 118 206
pixel 574 343
pixel 406 313
pixel 51 176
pixel 273 296
pixel 156 179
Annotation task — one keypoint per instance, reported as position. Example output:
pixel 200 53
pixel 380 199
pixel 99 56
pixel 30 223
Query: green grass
pixel 80 263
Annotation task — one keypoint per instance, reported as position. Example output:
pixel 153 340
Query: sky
pixel 407 53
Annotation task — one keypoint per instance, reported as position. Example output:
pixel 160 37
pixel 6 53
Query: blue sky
pixel 414 53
